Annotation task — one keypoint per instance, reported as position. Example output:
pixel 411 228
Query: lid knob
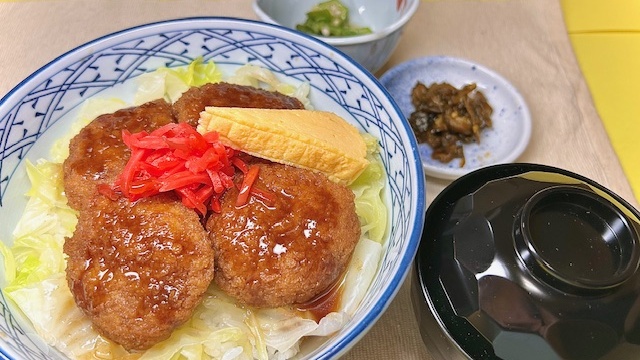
pixel 576 241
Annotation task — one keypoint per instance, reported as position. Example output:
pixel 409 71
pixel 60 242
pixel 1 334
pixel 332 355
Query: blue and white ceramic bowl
pixel 385 18
pixel 39 110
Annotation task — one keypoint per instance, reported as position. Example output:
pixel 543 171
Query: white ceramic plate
pixel 504 142
pixel 41 109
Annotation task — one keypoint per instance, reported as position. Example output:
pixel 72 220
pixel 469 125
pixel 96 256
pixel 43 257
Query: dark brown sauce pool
pixel 325 303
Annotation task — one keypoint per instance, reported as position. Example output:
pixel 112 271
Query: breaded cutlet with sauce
pixel 137 269
pixel 287 252
pixel 188 107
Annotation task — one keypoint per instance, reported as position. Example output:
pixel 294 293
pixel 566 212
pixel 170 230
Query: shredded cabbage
pixel 220 328
pixel 170 83
pixel 256 76
pixel 368 188
pixel 51 309
pixel 360 274
pixel 47 220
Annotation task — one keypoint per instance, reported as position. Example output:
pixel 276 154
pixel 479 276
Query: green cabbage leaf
pixel 47 220
pixel 169 83
pixel 369 188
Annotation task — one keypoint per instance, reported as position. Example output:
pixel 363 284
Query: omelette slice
pixel 316 140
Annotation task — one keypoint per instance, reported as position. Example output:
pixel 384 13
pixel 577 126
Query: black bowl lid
pixel 525 261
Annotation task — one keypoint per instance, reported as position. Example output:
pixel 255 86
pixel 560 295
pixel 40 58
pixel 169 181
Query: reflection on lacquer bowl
pixel 42 109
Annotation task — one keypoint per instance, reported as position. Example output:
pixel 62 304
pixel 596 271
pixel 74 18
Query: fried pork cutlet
pixel 188 107
pixel 138 269
pixel 288 252
pixel 97 154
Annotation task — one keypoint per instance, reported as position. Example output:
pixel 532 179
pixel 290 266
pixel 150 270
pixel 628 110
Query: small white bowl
pixel 503 143
pixel 385 18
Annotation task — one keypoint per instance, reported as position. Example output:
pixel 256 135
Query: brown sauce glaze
pixel 97 154
pixel 290 251
pixel 193 101
pixel 325 302
pixel 138 269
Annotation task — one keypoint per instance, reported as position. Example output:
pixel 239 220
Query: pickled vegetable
pixel 330 18
pixel 446 118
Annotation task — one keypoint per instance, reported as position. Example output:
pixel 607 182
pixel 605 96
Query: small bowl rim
pixel 412 7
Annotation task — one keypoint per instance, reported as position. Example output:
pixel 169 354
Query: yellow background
pixel 606 39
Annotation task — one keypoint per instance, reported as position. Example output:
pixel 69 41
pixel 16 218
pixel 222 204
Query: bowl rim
pixel 355 331
pixel 412 7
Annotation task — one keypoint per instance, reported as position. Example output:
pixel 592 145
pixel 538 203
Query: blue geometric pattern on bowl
pixel 30 110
